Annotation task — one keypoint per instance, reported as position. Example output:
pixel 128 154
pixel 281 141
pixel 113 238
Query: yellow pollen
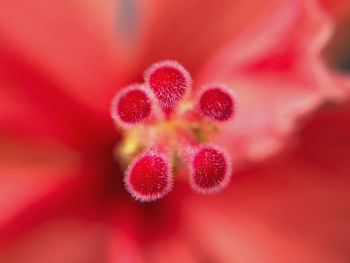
pixel 172 135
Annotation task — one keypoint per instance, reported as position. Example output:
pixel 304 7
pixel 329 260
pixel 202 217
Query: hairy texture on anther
pixel 211 170
pixel 149 177
pixel 131 106
pixel 217 103
pixel 169 82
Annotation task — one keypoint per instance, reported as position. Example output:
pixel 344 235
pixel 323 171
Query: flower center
pixel 165 128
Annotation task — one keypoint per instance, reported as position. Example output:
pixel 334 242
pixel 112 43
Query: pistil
pixel 164 129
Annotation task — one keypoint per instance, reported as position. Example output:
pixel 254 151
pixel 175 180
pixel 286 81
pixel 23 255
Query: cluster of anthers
pixel 165 127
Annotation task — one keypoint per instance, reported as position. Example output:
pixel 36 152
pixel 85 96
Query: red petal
pixel 122 244
pixel 68 240
pixel 339 9
pixel 31 106
pixel 29 171
pixel 190 30
pixel 295 205
pixel 276 71
pixel 72 43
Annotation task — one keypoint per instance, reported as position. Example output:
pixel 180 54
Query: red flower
pixel 62 196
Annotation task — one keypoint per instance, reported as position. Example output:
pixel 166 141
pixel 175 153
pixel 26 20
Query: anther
pixel 169 81
pixel 131 106
pixel 211 170
pixel 217 102
pixel 149 177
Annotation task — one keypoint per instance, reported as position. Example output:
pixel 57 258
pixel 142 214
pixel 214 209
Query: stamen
pixel 211 170
pixel 131 106
pixel 217 102
pixel 169 82
pixel 149 177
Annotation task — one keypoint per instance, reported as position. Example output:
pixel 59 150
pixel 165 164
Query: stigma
pixel 165 126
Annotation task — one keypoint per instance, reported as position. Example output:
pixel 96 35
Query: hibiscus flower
pixel 62 194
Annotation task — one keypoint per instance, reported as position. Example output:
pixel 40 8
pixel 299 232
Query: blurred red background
pixel 61 192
